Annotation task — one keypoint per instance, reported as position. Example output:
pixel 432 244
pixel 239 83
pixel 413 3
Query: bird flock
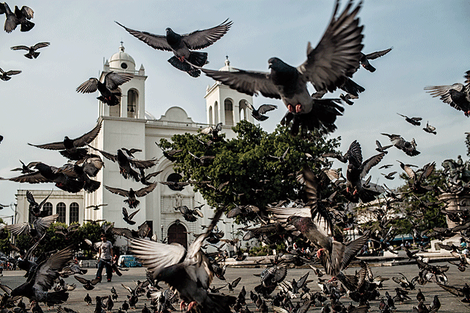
pixel 330 65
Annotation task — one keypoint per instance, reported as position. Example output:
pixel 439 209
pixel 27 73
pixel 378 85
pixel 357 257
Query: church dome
pixel 122 61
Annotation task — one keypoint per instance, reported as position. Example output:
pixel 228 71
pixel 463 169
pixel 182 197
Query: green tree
pixel 5 244
pixel 248 169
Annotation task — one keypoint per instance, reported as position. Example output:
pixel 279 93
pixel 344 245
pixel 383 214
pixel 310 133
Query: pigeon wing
pixel 88 137
pixel 155 255
pixel 143 163
pixel 337 53
pixel 21 47
pixel 40 45
pixel 118 191
pixel 113 80
pixel 131 216
pixel 352 248
pixel 155 41
pixel 32 178
pixel 27 12
pixel 18 229
pixel 378 54
pixel 146 190
pixel 203 38
pixel 107 155
pixel 48 271
pixel 248 82
pixel 371 162
pixel 266 108
pixel 43 223
pixel 88 86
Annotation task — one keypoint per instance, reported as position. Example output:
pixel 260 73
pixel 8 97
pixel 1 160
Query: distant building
pixel 129 125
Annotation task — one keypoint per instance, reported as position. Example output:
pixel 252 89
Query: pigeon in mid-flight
pixel 32 53
pixel 72 148
pixel 372 56
pixel 337 53
pixel 6 76
pixel 181 45
pixel 19 17
pixel 109 89
pixel 457 95
pixel 258 114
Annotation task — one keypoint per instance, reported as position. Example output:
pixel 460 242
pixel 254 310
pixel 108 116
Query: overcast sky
pixel 430 47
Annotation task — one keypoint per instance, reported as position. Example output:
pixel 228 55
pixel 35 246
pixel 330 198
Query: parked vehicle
pixel 128 261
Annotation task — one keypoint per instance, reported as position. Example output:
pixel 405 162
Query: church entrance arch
pixel 177 233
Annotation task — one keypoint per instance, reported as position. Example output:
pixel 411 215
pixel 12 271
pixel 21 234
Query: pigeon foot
pixel 191 305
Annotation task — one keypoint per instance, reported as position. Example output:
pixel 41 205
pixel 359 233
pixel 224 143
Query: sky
pixel 40 105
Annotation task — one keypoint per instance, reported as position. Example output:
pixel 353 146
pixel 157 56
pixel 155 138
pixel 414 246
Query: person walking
pixel 105 253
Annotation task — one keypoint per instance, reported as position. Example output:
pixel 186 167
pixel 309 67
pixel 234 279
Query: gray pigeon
pixel 19 17
pixel 258 114
pixel 187 271
pixel 457 95
pixel 337 53
pixel 184 59
pixel 289 83
pixel 32 53
pixel 5 76
pixel 109 89
pixel 372 56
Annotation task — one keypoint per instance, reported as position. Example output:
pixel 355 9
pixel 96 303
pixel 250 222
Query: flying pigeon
pixel 32 53
pixel 258 114
pixel 372 56
pixel 20 17
pixel 338 52
pixel 457 95
pixel 416 121
pixel 109 89
pixel 430 129
pixel 132 194
pixel 128 217
pixel 126 163
pixel 409 147
pixel 187 271
pixel 71 148
pixel 181 45
pixel 334 256
pixel 42 278
pixel 6 76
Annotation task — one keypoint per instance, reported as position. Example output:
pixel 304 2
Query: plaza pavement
pixel 450 303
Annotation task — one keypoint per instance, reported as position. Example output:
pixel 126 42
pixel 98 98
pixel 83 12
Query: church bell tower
pixel 226 105
pixel 132 103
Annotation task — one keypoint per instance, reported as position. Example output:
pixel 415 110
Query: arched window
pixel 216 112
pixel 48 208
pixel 243 109
pixel 174 178
pixel 132 101
pixel 60 209
pixel 228 108
pixel 211 117
pixel 73 214
pixel 177 233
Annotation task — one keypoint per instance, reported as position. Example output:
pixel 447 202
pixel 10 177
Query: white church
pixel 129 125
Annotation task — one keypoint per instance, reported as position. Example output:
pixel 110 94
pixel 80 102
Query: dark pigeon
pixel 457 95
pixel 109 89
pixel 337 53
pixel 71 148
pixel 181 45
pixel 32 53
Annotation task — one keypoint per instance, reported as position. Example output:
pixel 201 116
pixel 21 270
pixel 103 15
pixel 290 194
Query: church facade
pixel 129 125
